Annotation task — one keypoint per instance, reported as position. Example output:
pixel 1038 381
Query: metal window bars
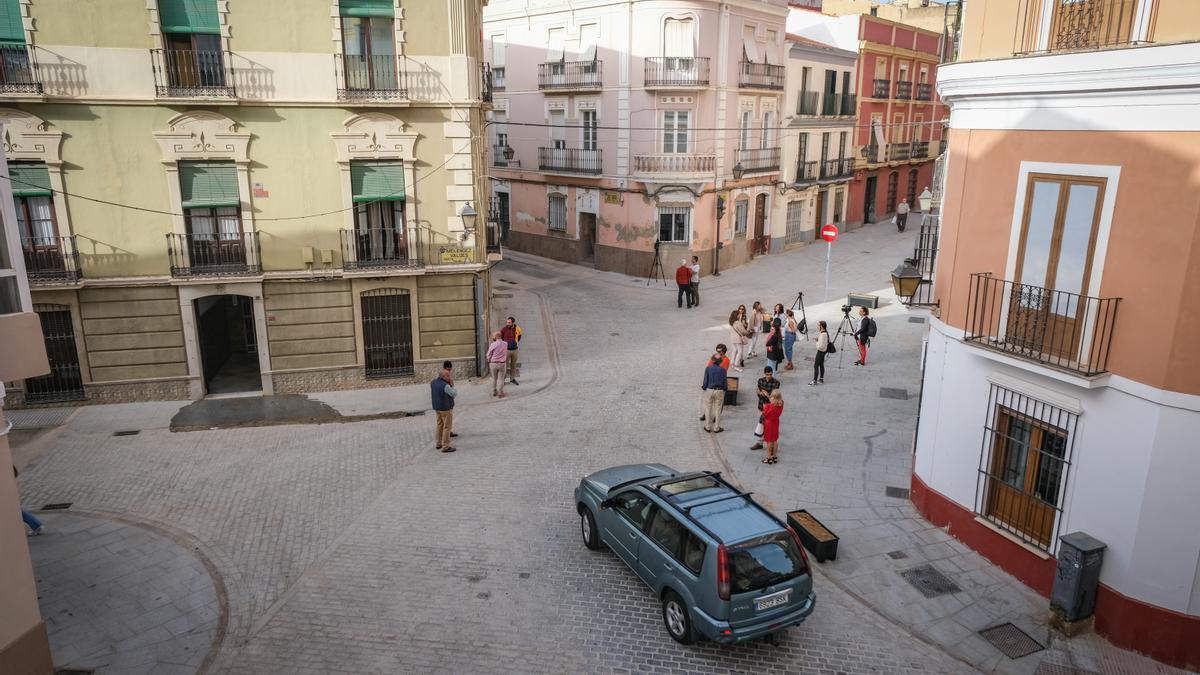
pixel 570 75
pixel 1079 25
pixel 387 333
pixel 193 73
pixel 381 248
pixel 361 77
pixel 676 71
pixel 19 73
pixel 883 89
pixel 570 160
pixel 214 254
pixel 759 159
pixel 51 259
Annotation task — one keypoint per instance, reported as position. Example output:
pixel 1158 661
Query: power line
pixel 884 124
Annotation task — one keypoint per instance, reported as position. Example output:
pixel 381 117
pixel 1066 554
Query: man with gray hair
pixel 683 279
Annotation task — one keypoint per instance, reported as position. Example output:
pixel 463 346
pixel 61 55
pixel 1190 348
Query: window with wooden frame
pixel 741 213
pixel 1024 464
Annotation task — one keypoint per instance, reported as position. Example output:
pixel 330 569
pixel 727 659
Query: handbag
pixel 758 429
pixel 831 349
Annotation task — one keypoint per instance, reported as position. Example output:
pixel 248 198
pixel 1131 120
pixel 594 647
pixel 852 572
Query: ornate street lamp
pixel 738 171
pixel 906 279
pixel 508 152
pixel 469 218
pixel 926 200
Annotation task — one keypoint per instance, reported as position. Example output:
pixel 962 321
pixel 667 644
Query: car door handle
pixel 633 535
pixel 667 566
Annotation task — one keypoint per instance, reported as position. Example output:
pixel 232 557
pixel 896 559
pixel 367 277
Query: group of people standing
pixel 502 356
pixel 687 277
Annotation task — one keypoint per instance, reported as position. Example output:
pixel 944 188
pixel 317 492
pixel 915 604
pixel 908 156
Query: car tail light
pixel 722 573
pixel 796 538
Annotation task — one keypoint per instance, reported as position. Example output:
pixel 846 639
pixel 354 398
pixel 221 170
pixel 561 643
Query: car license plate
pixel 774 600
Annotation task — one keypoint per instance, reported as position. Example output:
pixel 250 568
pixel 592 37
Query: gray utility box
pixel 1079 559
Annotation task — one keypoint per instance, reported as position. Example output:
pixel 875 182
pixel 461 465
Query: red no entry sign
pixel 829 233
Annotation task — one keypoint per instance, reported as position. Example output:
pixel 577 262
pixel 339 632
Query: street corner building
pixel 1061 382
pixel 615 127
pixel 300 202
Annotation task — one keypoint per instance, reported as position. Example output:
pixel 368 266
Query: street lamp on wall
pixel 906 279
pixel 469 218
pixel 926 199
pixel 508 152
pixel 738 171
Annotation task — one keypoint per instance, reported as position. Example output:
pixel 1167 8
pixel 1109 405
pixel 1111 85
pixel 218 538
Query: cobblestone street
pixel 356 547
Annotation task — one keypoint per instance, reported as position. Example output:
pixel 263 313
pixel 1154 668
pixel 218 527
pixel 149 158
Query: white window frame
pixel 766 134
pixel 747 128
pixel 550 220
pixel 677 211
pixel 16 258
pixel 741 215
pixel 672 133
pixel 588 135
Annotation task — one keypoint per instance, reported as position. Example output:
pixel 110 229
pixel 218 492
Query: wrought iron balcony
pixel 498 158
pixel 19 70
pixel 381 248
pixel 807 104
pixel 369 78
pixel 832 106
pixel 904 90
pixel 870 153
pixel 760 76
pixel 565 75
pixel 923 260
pixel 883 89
pixel 51 259
pixel 214 254
pixel 1079 25
pixel 497 78
pixel 570 160
pixel 924 92
pixel 192 73
pixel 758 159
pixel 666 72
pixel 485 84
pixel 920 150
pixel 806 172
pixel 898 152
pixel 674 164
pixel 836 168
pixel 1062 330
pixel 942 146
pixel 849 104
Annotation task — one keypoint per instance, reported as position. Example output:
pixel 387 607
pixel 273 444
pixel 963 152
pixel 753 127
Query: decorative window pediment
pixel 201 134
pixel 375 136
pixel 26 137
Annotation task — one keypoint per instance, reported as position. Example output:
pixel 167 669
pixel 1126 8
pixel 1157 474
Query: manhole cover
pixel 60 506
pixel 128 432
pixel 1011 641
pixel 916 319
pixel 897 555
pixel 896 492
pixel 930 581
pixel 892 392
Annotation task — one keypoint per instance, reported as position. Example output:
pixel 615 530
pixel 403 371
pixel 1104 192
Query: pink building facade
pixel 616 126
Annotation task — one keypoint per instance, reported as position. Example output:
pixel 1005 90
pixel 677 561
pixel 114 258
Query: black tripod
pixel 656 268
pixel 802 324
pixel 845 329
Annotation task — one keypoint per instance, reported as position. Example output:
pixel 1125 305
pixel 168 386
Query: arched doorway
pixel 228 344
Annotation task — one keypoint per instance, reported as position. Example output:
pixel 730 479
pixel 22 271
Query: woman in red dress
pixel 771 412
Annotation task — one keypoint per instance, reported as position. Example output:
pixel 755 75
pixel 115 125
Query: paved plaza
pixel 353 546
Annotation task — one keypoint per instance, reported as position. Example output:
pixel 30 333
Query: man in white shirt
pixel 695 281
pixel 901 215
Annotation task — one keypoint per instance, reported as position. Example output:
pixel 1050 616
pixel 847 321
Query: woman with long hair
pixel 775 346
pixel 757 314
pixel 822 341
pixel 738 332
pixel 790 330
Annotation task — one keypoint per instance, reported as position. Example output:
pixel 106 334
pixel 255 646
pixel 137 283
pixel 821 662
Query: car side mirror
pixel 607 503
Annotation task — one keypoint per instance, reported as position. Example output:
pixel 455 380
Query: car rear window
pixel 765 561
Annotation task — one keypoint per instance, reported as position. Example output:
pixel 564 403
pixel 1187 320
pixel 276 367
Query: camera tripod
pixel 656 268
pixel 845 329
pixel 802 324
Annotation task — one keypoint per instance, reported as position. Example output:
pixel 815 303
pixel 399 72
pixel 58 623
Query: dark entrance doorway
pixel 228 344
pixel 387 333
pixel 502 208
pixel 912 189
pixel 820 210
pixel 893 182
pixel 762 240
pixel 65 379
pixel 587 235
pixel 869 199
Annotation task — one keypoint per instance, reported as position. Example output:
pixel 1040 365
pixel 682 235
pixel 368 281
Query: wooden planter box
pixel 731 390
pixel 818 539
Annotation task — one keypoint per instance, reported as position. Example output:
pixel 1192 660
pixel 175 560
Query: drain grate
pixel 59 506
pixel 73 671
pixel 897 555
pixel 916 319
pixel 501 295
pixel 1058 669
pixel 930 581
pixel 1011 641
pixel 896 492
pixel 892 392
pixel 127 432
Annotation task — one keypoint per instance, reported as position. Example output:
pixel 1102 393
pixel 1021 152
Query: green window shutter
pixel 208 184
pixel 377 181
pixel 12 29
pixel 188 16
pixel 367 8
pixel 29 180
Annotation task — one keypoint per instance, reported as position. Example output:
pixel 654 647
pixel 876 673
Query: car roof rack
pixel 657 487
pixel 714 500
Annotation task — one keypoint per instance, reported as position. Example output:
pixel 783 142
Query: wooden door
pixel 1025 475
pixel 587 234
pixel 762 238
pixel 869 199
pixel 820 212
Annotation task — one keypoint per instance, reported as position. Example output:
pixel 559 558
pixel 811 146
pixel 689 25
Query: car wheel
pixel 587 523
pixel 676 618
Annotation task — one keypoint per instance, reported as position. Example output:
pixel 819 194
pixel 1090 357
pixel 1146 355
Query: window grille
pixel 674 224
pixel 795 210
pixel 558 213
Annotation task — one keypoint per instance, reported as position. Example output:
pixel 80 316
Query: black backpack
pixel 871 328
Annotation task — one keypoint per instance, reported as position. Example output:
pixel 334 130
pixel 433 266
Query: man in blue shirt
pixel 442 392
pixel 714 394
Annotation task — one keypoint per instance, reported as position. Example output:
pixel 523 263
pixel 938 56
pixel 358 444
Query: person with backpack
pixel 510 332
pixel 866 331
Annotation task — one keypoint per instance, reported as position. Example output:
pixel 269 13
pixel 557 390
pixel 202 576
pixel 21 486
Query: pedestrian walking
pixel 683 279
pixel 756 327
pixel 442 392
pixel 497 358
pixel 721 349
pixel 35 525
pixel 511 332
pixel 772 411
pixel 866 331
pixel 790 331
pixel 767 384
pixel 901 215
pixel 774 345
pixel 823 345
pixel 695 281
pixel 739 332
pixel 714 386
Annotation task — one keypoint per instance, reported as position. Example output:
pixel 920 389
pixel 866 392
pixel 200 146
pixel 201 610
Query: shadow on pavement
pixel 265 411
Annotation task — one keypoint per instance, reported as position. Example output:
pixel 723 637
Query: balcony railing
pixel 836 168
pixel 849 104
pixel 192 73
pixel 676 71
pixel 759 159
pixel 498 157
pixel 570 75
pixel 806 172
pixel 832 106
pixel 883 89
pixel 485 84
pixel 214 254
pixel 924 92
pixel 871 153
pixel 920 150
pixel 19 70
pixel 942 146
pixel 498 78
pixel 898 152
pixel 369 78
pixel 381 248
pixel 1063 330
pixel 569 160
pixel 674 163
pixel 493 236
pixel 1079 25
pixel 51 259
pixel 808 103
pixel 924 259
pixel 760 76
pixel 904 90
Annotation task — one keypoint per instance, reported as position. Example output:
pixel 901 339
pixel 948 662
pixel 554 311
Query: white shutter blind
pixel 749 48
pixel 554 50
pixel 678 39
pixel 589 35
pixel 498 51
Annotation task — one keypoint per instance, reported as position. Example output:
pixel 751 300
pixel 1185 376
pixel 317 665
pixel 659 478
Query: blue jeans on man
pixel 32 521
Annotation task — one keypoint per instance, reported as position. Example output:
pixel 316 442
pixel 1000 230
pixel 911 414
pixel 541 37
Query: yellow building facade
pixel 219 196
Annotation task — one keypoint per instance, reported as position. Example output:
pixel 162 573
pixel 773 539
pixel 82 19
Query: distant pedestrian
pixel 866 329
pixel 767 384
pixel 790 331
pixel 775 345
pixel 511 332
pixel 442 392
pixel 497 356
pixel 714 386
pixel 683 279
pixel 901 215
pixel 772 411
pixel 721 350
pixel 35 525
pixel 739 336
pixel 756 327
pixel 823 343
pixel 695 281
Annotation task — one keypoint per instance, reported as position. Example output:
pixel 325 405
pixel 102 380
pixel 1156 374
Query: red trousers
pixel 862 352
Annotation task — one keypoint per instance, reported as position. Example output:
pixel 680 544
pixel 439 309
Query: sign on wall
pixel 612 198
pixel 455 254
